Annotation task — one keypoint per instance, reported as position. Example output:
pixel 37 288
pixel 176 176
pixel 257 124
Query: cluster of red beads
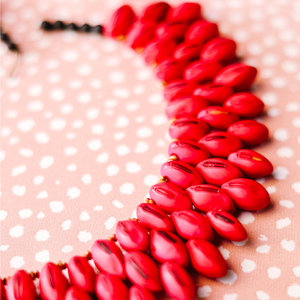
pixel 209 102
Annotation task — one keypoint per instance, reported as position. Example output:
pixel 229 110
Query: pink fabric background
pixel 84 135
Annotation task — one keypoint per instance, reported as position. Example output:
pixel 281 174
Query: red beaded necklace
pixel 209 170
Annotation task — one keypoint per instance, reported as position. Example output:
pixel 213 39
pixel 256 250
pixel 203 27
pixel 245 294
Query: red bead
pixel 215 94
pixel 206 258
pixel 217 171
pixel 187 51
pixel 217 117
pixel 177 282
pixel 170 197
pixel 137 292
pixel 157 51
pixel 2 290
pixel 201 31
pixel 108 258
pixel 251 163
pixel 221 144
pixel 201 71
pixel 53 284
pixel 186 12
pixel 247 194
pixel 170 69
pixel 192 225
pixel 250 132
pixel 74 293
pixel 120 22
pixel 237 76
pixel 188 152
pixel 245 105
pixel 181 174
pixel 140 35
pixel 167 246
pixel 21 287
pixel 110 287
pixel 155 13
pixel 132 235
pixel 142 270
pixel 227 226
pixel 190 129
pixel 154 217
pixel 179 88
pixel 208 197
pixel 81 273
pixel 171 30
pixel 186 106
pixel 219 50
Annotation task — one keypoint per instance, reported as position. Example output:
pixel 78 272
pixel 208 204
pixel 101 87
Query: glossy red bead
pixel 191 129
pixel 192 225
pixel 217 171
pixel 74 293
pixel 188 152
pixel 154 217
pixel 181 174
pixel 132 235
pixel 245 105
pixel 53 284
pixel 187 51
pixel 137 292
pixel 221 144
pixel 167 246
pixel 120 22
pixel 2 290
pixel 250 132
pixel 215 94
pixel 217 117
pixel 81 274
pixel 170 197
pixel 179 88
pixel 157 51
pixel 140 35
pixel 237 76
pixel 219 50
pixel 186 12
pixel 142 270
pixel 206 258
pixel 21 287
pixel 177 282
pixel 208 197
pixel 201 71
pixel 170 69
pixel 171 30
pixel 110 287
pixel 108 258
pixel 226 225
pixel 186 106
pixel 155 13
pixel 201 31
pixel 251 163
pixel 247 194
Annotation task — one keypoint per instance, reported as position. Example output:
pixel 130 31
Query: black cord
pixel 59 25
pixel 10 45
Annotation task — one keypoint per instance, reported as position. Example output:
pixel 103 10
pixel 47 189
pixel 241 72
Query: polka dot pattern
pixel 84 135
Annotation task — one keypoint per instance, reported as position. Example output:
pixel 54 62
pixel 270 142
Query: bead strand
pixel 59 25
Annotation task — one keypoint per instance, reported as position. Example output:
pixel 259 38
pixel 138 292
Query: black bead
pixel 47 25
pixel 59 25
pixel 12 47
pixel 97 29
pixel 72 26
pixel 85 28
pixel 4 37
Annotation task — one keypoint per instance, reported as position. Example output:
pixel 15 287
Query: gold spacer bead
pixel 113 238
pixel 62 265
pixel 5 280
pixel 88 255
pixel 139 49
pixel 34 275
pixel 172 121
pixel 150 201
pixel 154 65
pixel 163 179
pixel 164 83
pixel 121 38
pixel 173 157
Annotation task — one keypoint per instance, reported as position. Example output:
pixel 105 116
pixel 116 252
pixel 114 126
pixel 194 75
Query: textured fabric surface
pixel 84 135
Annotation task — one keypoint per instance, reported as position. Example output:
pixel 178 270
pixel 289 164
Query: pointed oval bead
pixel 227 226
pixel 108 258
pixel 177 282
pixel 192 225
pixel 154 217
pixel 206 258
pixel 170 69
pixel 137 292
pixel 171 30
pixel 142 270
pixel 21 287
pixel 247 194
pixel 2 290
pixel 81 273
pixel 186 12
pixel 179 88
pixel 53 284
pixel 201 31
pixel 155 13
pixel 110 287
pixel 208 197
pixel 170 197
pixel 167 246
pixel 75 293
pixel 132 235
pixel 187 51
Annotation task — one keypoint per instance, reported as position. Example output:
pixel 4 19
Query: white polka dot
pixel 263 249
pixel 26 152
pixel 141 147
pixel 296 187
pixel 273 112
pixel 2 155
pixel 26 125
pixel 42 236
pixel 121 93
pixel 288 245
pixel 271 189
pixel 42 256
pixel 229 278
pixel 138 89
pixel 77 124
pixel 117 204
pixel 3 215
pixel 269 98
pixel 204 291
pixel 262 237
pixel 11 114
pixel 18 170
pixel 159 159
pixel 254 48
pixel 84 216
pixel 105 188
pixel 25 213
pixel 230 296
pixel 296 271
pixel 16 231
pixel 248 265
pixel 144 132
pixel 155 98
pixel 84 70
pixel 270 59
pixel 286 203
pixel 67 249
pixel 35 90
pixel 84 97
pixel 296 122
pixel 110 222
pixel 225 253
pixel 285 152
pixel 66 108
pixel 56 206
pixel 122 150
pixel 132 106
pixel 116 77
pixel 73 192
pixel 94 145
pixel 98 208
pixel 84 236
pixel 95 83
pixel 69 55
pixel 281 134
pixel 4 247
pixel 40 215
pixel 246 217
pixel 280 173
pixel 66 225
pixel 42 137
pixel 274 272
pixel 283 223
pixel 86 178
pixel 133 167
pixel 278 82
pixel 54 78
pixel 289 66
pixel 16 262
pixel 46 162
pixel 119 136
pixel 35 106
pixel 262 295
pixel 57 124
pixel 103 158
pixel 112 170
pixel 72 167
pixel 291 50
pixel 19 190
pixel 150 179
pixel 5 131
pixel 127 188
pixel 293 290
pixel 121 122
pixel 92 113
